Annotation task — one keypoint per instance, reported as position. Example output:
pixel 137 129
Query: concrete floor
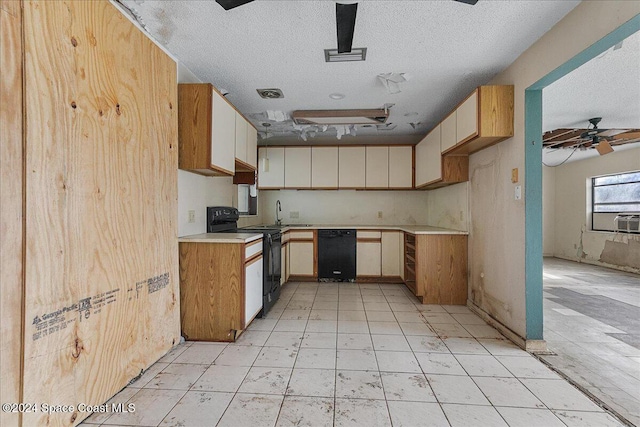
pixel 592 323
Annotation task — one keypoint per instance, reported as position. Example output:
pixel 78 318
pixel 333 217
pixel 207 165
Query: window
pixel 612 195
pixel 247 199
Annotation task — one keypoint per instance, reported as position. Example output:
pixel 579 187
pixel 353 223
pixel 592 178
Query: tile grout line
pixel 284 396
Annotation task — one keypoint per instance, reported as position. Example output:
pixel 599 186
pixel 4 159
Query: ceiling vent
pixel 270 93
pixel 356 54
pixel 340 117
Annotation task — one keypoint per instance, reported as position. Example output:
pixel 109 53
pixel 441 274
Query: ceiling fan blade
pixel 604 147
pixel 345 24
pixel 471 2
pixel 230 4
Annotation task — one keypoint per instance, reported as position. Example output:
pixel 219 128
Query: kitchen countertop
pixel 411 229
pixel 220 238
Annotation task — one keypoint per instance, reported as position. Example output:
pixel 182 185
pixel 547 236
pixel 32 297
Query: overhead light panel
pixel 356 54
pixel 271 93
pixel 340 117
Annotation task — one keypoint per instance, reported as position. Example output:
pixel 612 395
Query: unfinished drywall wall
pixel 548 210
pixel 573 238
pixel 347 207
pixel 101 253
pixel 449 207
pixel 11 215
pixel 497 229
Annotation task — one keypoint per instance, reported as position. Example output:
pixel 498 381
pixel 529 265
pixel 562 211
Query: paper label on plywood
pixel 50 323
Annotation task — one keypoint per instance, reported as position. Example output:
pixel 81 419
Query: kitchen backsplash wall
pixel 344 207
pixel 448 207
pixel 195 193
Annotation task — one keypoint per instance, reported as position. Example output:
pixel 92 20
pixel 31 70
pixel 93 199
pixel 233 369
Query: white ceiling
pixel 446 48
pixel 608 86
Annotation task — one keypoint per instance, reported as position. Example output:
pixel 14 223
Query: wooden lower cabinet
pixel 220 289
pixel 436 268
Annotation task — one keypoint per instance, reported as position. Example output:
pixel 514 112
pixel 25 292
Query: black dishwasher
pixel 337 254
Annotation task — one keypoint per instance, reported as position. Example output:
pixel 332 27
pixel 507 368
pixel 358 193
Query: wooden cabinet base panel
pixel 209 312
pixel 436 268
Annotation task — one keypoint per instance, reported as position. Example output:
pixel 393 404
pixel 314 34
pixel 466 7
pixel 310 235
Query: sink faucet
pixel 278 209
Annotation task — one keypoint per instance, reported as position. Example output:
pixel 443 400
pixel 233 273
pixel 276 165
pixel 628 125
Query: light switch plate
pixel 192 217
pixel 518 194
pixel 294 214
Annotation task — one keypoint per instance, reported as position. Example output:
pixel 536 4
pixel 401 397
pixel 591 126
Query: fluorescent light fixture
pixel 356 54
pixel 340 117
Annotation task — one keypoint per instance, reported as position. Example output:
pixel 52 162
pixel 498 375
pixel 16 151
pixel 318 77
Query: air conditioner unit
pixel 628 222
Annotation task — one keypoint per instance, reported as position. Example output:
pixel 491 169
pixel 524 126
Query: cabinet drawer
pixel 252 248
pixel 301 235
pixel 364 234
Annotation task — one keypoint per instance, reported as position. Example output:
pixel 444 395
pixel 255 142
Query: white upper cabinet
pixel 428 158
pixel 421 162
pixel 252 146
pixel 400 167
pixel 331 168
pixel 223 134
pixel 297 167
pixel 467 118
pixel 377 167
pixel 274 176
pixel 206 131
pixel 241 138
pixel 433 156
pixel 324 167
pixel 351 167
pixel 449 132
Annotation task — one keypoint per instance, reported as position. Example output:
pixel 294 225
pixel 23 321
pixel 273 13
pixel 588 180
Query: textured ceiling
pixel 446 49
pixel 608 86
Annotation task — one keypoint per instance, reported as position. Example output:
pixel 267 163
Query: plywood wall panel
pixel 11 183
pixel 101 279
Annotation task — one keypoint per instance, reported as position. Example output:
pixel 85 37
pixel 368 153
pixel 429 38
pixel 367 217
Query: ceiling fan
pixel 603 140
pixel 345 19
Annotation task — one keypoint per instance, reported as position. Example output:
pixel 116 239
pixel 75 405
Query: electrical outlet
pixel 379 214
pixel 294 214
pixel 192 217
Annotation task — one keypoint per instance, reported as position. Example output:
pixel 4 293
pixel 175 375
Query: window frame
pixel 592 203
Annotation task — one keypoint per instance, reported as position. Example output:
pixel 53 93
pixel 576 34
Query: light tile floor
pixel 592 324
pixel 347 354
